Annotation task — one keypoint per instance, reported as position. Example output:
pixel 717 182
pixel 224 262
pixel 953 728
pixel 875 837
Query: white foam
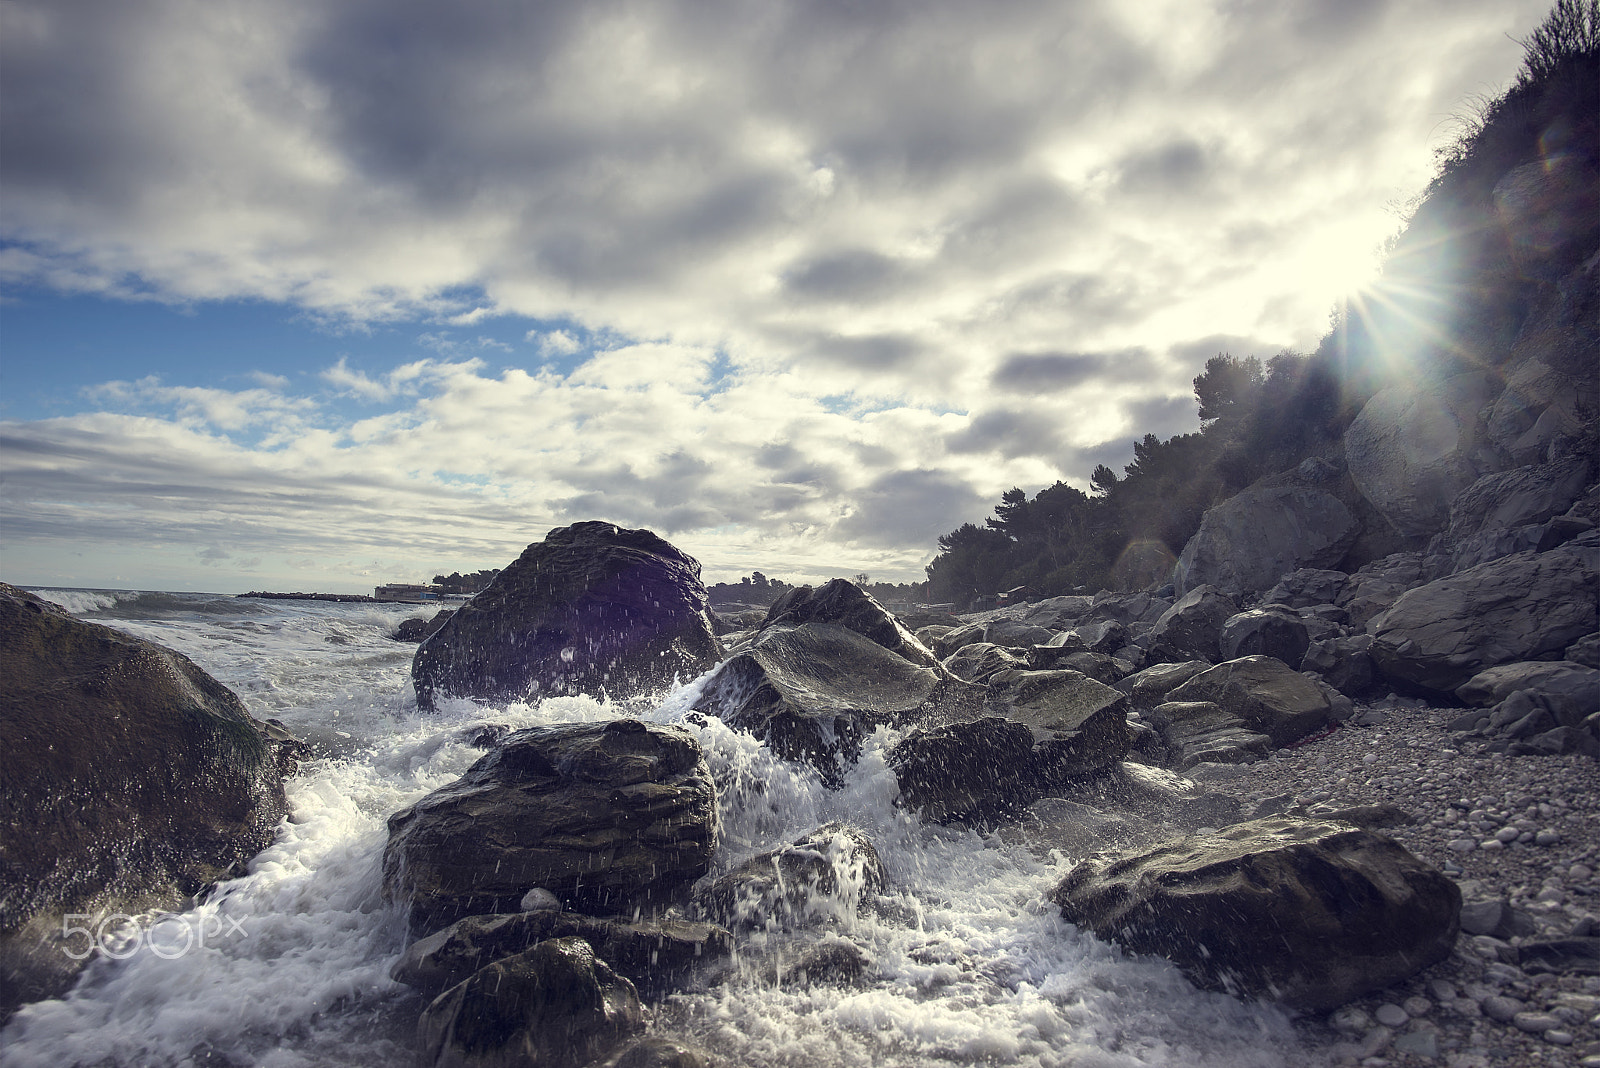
pixel 970 964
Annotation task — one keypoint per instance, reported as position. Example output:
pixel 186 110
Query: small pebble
pixel 1463 845
pixel 1442 989
pixel 1391 1015
pixel 1507 834
pixel 1416 1006
pixel 1491 844
pixel 1580 873
pixel 1499 1007
pixel 1547 837
pixel 1559 1038
pixel 1536 1023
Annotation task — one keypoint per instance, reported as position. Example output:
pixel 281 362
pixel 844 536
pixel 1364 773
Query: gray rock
pixel 593 609
pixel 1250 540
pixel 1265 695
pixel 1271 630
pixel 660 1053
pixel 821 877
pixel 812 692
pixel 1014 634
pixel 1569 691
pixel 1106 636
pixel 1192 628
pixel 1079 725
pixel 1101 668
pixel 979 660
pixel 1151 686
pixel 948 643
pixel 1506 501
pixel 1438 636
pixel 1412 449
pixel 555 1004
pixel 1377 585
pixel 1307 587
pixel 849 606
pixel 1309 913
pixel 1058 612
pixel 1572 956
pixel 1198 732
pixel 1344 663
pixel 608 816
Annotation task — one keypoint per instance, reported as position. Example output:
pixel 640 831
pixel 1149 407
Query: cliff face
pixel 1478 352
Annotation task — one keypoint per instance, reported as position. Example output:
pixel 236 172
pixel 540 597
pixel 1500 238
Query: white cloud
pixel 833 253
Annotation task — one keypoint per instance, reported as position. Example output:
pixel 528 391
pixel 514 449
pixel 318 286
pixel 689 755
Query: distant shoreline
pixel 361 598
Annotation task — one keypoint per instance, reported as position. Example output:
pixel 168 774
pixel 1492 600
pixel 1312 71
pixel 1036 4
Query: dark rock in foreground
pixel 556 1004
pixel 1305 912
pixel 131 778
pixel 593 609
pixel 652 954
pixel 607 816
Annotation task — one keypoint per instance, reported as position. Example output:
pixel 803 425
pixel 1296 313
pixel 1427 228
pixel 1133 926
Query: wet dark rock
pixel 978 661
pixel 979 771
pixel 1569 691
pixel 1571 956
pixel 1523 607
pixel 849 606
pixel 812 692
pixel 1309 913
pixel 834 962
pixel 1079 725
pixel 821 877
pixel 1271 630
pixel 1266 696
pixel 593 609
pixel 1106 636
pixel 131 779
pixel 1192 628
pixel 660 1053
pixel 421 628
pixel 946 644
pixel 607 816
pixel 555 1004
pixel 652 954
pixel 1015 634
pixel 1098 666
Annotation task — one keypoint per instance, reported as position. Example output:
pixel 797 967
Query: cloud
pixel 799 255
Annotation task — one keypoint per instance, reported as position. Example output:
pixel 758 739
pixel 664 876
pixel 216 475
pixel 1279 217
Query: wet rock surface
pixel 607 816
pixel 594 609
pixel 131 779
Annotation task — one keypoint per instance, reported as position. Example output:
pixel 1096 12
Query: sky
pixel 319 295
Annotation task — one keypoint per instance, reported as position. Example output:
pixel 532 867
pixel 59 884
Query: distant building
pixel 405 591
pixel 1019 595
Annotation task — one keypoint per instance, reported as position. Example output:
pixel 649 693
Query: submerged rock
pixel 608 816
pixel 820 877
pixel 652 954
pixel 593 609
pixel 556 1004
pixel 131 778
pixel 1305 912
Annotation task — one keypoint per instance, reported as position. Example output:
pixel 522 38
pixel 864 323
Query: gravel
pixel 1520 830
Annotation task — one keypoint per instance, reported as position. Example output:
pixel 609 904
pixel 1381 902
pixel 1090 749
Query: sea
pixel 288 966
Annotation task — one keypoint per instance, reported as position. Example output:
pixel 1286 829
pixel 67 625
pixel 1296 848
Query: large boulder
pixel 1415 446
pixel 609 816
pixel 556 1004
pixel 978 661
pixel 813 692
pixel 1540 404
pixel 653 954
pixel 131 779
pixel 1249 541
pixel 1192 628
pixel 1271 630
pixel 1202 732
pixel 1305 912
pixel 1079 725
pixel 1307 588
pixel 593 609
pixel 1521 607
pixel 822 877
pixel 849 606
pixel 1150 687
pixel 1266 695
pixel 1569 691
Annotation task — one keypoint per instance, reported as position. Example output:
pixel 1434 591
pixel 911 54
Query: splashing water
pixel 967 962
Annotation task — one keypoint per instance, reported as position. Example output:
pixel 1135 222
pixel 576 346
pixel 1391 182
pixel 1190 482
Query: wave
pixel 146 604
